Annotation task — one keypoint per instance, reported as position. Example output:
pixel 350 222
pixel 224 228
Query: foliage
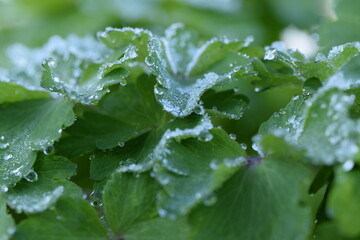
pixel 142 134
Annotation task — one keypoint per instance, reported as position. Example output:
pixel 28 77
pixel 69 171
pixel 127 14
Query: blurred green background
pixel 326 22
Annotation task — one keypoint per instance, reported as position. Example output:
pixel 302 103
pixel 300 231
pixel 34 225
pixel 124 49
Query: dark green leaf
pixel 71 219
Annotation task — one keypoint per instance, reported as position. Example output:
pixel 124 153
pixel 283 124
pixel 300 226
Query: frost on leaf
pixel 26 62
pixel 185 69
pixel 320 126
pixel 283 66
pixel 84 78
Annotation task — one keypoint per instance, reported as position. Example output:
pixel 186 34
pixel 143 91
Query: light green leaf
pixel 71 219
pixel 26 63
pixel 343 202
pixel 320 127
pixel 7 224
pixel 256 204
pixel 11 92
pixel 83 80
pixel 27 127
pixel 44 185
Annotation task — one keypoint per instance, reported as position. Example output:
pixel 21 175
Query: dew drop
pixel 4 145
pixel 269 54
pixel 121 144
pixel 8 156
pixel 149 61
pixel 243 146
pixel 158 90
pixel 232 136
pixel 210 200
pixel 162 212
pixel 123 82
pixel 348 165
pixel 205 136
pixel 51 62
pixel 213 165
pixel 31 176
pixel 48 150
pixel 4 188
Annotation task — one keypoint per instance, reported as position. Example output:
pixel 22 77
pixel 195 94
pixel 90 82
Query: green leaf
pixel 287 67
pixel 71 219
pixel 83 80
pixel 257 203
pixel 120 38
pixel 185 71
pixel 26 63
pixel 322 177
pixel 129 199
pixel 343 202
pixel 139 154
pixel 319 124
pixel 136 155
pixel 123 114
pixel 44 185
pixel 11 92
pixel 191 170
pixel 130 208
pixel 27 127
pixel 226 104
pixel 7 224
pixel 160 229
pixel 135 104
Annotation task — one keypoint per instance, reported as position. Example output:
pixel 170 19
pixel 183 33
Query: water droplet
pixel 243 146
pixel 31 176
pixel 199 110
pixel 121 144
pixel 51 62
pixel 58 217
pixel 2 138
pixel 94 200
pixel 149 61
pixel 8 156
pixel 158 90
pixel 11 230
pixel 47 150
pixel 123 82
pixel 348 165
pixel 4 188
pixel 269 54
pixel 213 165
pixel 162 212
pixel 315 221
pixel 205 136
pixel 232 136
pixel 257 89
pixel 210 200
pixel 4 145
pixel 56 78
